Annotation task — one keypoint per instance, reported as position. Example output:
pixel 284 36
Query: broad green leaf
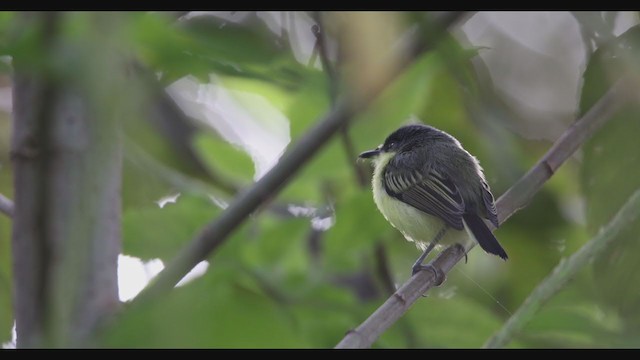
pixel 211 312
pixel 324 314
pixel 278 254
pixel 231 161
pixel 154 232
pixel 358 226
pixel 611 173
pixel 206 44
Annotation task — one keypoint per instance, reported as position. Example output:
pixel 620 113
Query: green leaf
pixel 278 254
pixel 205 44
pixel 407 95
pixel 578 319
pixel 322 317
pixel 457 322
pixel 225 157
pixel 358 226
pixel 211 312
pixel 154 232
pixel 610 173
pixel 310 102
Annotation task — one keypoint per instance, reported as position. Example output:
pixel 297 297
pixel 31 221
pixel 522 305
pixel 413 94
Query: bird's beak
pixel 369 154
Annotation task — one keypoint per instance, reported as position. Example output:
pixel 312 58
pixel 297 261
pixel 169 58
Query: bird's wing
pixel 429 191
pixel 489 204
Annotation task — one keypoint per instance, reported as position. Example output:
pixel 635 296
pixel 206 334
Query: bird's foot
pixel 440 277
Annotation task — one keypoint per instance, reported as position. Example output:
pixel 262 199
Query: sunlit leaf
pixel 225 157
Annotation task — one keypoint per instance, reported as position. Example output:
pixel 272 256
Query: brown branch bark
pixel 215 233
pixel 516 198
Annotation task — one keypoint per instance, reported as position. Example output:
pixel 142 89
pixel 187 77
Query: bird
pixel 432 190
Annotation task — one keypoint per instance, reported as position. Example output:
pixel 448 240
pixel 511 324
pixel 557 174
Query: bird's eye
pixel 391 145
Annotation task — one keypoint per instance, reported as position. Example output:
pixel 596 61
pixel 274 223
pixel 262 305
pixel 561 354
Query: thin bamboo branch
pixel 6 206
pixel 516 198
pixel 565 271
pixel 215 233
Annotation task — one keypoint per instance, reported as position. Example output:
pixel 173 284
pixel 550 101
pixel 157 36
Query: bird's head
pixel 405 139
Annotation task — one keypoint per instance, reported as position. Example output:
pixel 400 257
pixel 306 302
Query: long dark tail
pixel 484 236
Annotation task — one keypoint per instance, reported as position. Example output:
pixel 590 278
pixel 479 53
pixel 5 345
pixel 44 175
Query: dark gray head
pixel 409 137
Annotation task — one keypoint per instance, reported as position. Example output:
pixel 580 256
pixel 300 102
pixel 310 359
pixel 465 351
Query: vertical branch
pixel 327 66
pixel 32 104
pixel 382 268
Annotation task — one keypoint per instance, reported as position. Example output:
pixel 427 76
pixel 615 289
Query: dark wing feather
pixel 489 204
pixel 428 191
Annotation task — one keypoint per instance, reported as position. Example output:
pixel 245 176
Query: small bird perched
pixel 432 190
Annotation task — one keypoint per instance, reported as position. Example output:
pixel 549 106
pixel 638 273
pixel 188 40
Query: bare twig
pixel 321 46
pixel 358 168
pixel 214 233
pixel 6 206
pixel 382 268
pixel 565 271
pixel 513 200
pixel 328 67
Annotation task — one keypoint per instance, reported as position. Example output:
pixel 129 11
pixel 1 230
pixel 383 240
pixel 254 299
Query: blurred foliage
pixel 277 282
pixel 610 175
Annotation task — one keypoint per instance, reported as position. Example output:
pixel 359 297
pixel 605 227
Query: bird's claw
pixel 437 273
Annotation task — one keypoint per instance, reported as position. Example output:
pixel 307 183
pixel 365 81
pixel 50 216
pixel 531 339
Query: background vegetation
pixel 206 104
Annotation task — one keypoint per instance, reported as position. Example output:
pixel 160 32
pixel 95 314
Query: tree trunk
pixel 66 230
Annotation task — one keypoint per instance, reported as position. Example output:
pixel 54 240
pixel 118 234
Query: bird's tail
pixel 484 236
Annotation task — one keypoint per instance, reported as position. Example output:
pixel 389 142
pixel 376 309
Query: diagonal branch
pixel 215 233
pixel 565 271
pixel 6 206
pixel 516 198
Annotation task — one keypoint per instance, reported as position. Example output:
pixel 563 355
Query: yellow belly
pixel 416 226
